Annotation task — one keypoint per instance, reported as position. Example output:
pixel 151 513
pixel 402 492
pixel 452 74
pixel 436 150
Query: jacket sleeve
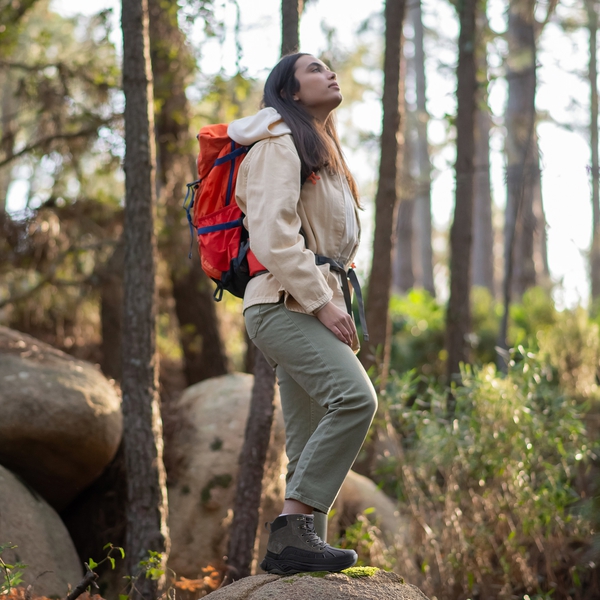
pixel 272 197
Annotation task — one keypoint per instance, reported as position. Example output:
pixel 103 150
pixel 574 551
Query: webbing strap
pixel 191 191
pixel 220 226
pixel 350 274
pixel 232 155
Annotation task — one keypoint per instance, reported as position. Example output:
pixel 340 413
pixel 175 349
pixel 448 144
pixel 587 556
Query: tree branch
pixel 89 579
pixel 50 277
pixel 58 136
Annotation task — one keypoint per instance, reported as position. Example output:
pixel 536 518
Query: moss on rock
pixel 356 572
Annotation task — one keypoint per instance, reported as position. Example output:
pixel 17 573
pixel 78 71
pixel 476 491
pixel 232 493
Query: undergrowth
pixel 497 493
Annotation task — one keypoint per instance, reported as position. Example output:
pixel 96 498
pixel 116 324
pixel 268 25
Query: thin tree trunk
pixel 403 277
pixel 458 319
pixel 423 227
pixel 291 11
pixel 592 11
pixel 540 237
pixel 203 349
pixel 520 141
pixel 146 483
pixel 483 232
pixel 406 259
pixel 243 538
pixel 7 134
pixel 519 268
pixel 377 350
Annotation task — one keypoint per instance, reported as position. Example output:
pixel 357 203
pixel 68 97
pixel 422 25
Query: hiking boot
pixel 294 547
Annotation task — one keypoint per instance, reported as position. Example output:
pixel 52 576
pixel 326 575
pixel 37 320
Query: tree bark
pixel 8 132
pixel 403 277
pixel 291 11
pixel 246 512
pixel 423 227
pixel 172 63
pixel 592 12
pixel 519 266
pixel 483 232
pixel 521 143
pixel 405 261
pixel 458 319
pixel 377 351
pixel 146 489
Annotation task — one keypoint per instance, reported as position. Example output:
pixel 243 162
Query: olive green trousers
pixel 327 399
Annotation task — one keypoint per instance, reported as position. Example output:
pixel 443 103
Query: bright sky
pixel 565 153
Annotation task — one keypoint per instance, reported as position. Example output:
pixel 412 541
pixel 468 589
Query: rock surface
pixel 334 586
pixel 42 541
pixel 359 494
pixel 212 416
pixel 61 418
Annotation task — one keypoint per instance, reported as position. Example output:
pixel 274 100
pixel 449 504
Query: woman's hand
pixel 338 321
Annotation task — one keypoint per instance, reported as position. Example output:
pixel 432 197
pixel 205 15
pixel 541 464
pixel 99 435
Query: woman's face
pixel 319 91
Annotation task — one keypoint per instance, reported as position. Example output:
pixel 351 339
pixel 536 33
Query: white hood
pixel 266 123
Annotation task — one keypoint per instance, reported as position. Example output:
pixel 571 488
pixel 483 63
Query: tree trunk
pixel 592 11
pixel 172 64
pixel 8 132
pixel 146 489
pixel 521 140
pixel 483 232
pixel 377 350
pixel 406 260
pixel 458 319
pixel 246 511
pixel 519 267
pixel 291 11
pixel 403 278
pixel 423 229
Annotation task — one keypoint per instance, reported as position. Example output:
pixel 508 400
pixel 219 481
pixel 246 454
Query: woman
pixel 300 202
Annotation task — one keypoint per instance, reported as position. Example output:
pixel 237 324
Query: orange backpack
pixel 223 241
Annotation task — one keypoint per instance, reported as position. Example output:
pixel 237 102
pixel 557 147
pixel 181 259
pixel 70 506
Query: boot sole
pixel 289 567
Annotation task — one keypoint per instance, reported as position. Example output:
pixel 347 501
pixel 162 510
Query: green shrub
pixel 492 490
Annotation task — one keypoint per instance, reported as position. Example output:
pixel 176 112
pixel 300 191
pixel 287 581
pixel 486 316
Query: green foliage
pixel 535 313
pixel 228 98
pixel 152 567
pixel 494 489
pixel 417 333
pixel 11 574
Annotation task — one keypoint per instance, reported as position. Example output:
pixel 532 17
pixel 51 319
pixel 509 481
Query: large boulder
pixel 359 496
pixel 364 584
pixel 42 541
pixel 61 418
pixel 212 417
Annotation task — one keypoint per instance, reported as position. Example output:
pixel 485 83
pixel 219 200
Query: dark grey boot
pixel 294 547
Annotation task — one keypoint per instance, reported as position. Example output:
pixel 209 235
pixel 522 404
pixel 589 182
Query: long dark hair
pixel 317 143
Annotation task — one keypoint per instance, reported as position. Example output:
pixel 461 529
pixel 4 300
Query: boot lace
pixel 311 536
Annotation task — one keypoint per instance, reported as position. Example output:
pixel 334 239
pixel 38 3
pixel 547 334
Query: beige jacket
pixel 276 208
